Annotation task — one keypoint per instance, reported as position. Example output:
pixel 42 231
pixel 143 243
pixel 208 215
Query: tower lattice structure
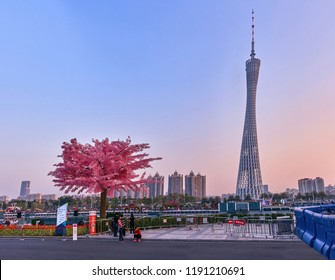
pixel 249 179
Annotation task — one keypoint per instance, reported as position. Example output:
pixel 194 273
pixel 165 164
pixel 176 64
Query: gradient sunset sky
pixel 172 74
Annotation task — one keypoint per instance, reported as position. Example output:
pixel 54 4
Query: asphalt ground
pixel 111 249
pixel 184 243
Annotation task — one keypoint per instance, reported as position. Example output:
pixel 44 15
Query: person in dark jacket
pixel 121 225
pixel 115 225
pixel 131 223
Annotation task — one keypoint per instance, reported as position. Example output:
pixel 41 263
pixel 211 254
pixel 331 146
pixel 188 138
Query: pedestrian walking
pixel 124 227
pixel 131 223
pixel 115 225
pixel 120 229
pixel 137 235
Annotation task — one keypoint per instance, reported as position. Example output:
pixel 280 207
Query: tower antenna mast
pixel 253 36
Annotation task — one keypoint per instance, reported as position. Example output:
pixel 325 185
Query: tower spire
pixel 253 37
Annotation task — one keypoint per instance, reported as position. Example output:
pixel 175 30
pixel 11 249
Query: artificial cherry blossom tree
pixel 101 167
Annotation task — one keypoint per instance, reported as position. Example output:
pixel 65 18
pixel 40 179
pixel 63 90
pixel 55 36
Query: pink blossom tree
pixel 102 167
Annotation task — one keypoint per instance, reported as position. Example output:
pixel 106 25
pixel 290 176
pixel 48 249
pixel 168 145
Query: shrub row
pixel 37 230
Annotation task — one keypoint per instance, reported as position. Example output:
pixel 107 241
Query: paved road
pixel 111 249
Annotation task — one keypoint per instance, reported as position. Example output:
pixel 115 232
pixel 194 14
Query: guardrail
pixel 316 227
pixel 270 228
pixel 246 226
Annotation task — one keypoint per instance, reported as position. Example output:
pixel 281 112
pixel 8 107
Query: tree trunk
pixel 103 204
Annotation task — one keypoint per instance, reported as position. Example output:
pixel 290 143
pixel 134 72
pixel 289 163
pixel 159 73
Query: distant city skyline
pixel 171 74
pixel 195 185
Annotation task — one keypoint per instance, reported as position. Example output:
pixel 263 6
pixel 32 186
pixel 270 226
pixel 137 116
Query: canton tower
pixel 249 179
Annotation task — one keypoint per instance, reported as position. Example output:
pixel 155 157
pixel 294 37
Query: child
pixel 137 235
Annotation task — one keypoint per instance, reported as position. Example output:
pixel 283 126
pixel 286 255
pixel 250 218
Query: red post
pixel 92 219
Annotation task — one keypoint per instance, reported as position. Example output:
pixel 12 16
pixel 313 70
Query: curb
pixel 111 239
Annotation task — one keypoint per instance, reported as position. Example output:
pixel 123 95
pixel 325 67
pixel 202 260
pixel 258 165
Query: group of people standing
pixel 119 228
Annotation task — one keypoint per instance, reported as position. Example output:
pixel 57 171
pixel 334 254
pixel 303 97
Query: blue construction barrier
pixel 329 208
pixel 309 234
pixel 320 237
pixel 316 227
pixel 300 222
pixel 329 247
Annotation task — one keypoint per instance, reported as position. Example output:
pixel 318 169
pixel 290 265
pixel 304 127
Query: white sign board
pixel 61 214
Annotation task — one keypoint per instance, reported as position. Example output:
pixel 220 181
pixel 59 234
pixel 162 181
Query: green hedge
pixel 38 232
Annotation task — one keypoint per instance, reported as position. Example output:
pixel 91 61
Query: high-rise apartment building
pixel 141 193
pixel 25 188
pixel 195 185
pixel 266 189
pixel 155 185
pixel 120 194
pixel 305 185
pixel 49 196
pixel 34 197
pixel 330 190
pixel 308 185
pixel 249 179
pixel 319 184
pixel 129 193
pixel 175 183
pixel 4 198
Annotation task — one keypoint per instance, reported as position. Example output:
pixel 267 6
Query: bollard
pixel 74 231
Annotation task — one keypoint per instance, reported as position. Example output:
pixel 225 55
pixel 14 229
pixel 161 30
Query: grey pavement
pixel 201 233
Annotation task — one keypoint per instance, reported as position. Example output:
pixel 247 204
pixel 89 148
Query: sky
pixel 171 74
